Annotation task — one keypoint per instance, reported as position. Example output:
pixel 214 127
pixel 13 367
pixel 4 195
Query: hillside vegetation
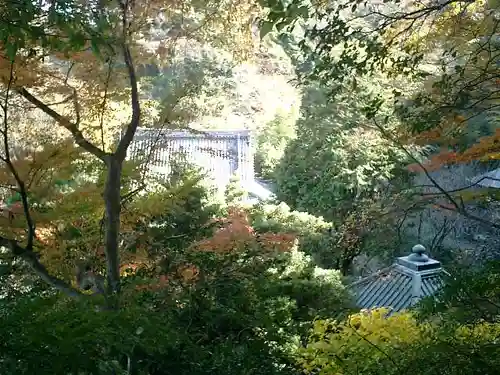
pixel 372 122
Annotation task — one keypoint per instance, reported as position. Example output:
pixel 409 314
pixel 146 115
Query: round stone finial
pixel 418 249
pixel 418 254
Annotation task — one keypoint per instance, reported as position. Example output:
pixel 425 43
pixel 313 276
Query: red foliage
pixel 435 162
pixel 236 233
pixel 488 148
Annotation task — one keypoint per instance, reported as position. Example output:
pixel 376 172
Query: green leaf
pixel 303 11
pixel 95 47
pixel 11 49
pixel 280 26
pixel 265 28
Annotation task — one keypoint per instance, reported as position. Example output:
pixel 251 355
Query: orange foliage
pixel 488 148
pixel 435 162
pixel 237 234
pixel 415 168
pixel 128 269
pixel 188 273
pixel 46 235
pixel 426 136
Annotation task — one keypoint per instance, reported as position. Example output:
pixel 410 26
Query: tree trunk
pixel 112 223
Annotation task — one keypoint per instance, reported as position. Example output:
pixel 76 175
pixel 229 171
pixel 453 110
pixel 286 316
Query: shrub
pixel 371 342
pixel 236 302
pixel 335 159
pixel 234 192
pixel 313 233
pixel 331 245
pixel 471 295
pixel 358 345
pixel 271 142
pixel 172 217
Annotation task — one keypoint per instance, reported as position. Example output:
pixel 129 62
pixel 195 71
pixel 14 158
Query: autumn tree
pixel 371 342
pixel 76 62
pixel 447 50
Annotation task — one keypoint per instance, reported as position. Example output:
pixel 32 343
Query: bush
pixel 471 295
pixel 237 302
pixel 335 159
pixel 176 215
pixel 371 342
pixel 360 345
pixel 272 140
pixel 313 232
pixel 331 245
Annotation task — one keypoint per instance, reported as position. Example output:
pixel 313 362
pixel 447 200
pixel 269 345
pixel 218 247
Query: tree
pixel 371 342
pixel 340 168
pixel 236 301
pixel 82 56
pixel 449 49
pixel 336 160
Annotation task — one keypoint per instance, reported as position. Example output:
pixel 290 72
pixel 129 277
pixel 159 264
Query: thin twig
pixel 7 160
pixel 457 207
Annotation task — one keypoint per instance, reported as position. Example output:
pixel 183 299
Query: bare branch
pixel 466 187
pixel 7 160
pixel 132 193
pixel 458 208
pixel 31 259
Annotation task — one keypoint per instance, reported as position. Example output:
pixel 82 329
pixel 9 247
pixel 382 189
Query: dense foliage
pixel 455 333
pixel 372 343
pixel 107 269
pixel 235 301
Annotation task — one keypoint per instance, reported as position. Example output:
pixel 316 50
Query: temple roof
pixel 489 180
pixel 401 285
pixel 221 153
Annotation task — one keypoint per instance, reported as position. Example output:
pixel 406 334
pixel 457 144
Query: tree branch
pixel 65 123
pixel 125 141
pixel 31 259
pixel 7 160
pixel 458 208
pixel 26 253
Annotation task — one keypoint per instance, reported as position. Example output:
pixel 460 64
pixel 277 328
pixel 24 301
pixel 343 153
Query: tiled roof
pixel 401 285
pixel 220 153
pixel 489 180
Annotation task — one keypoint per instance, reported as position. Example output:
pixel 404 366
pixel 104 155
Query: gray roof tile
pixel 401 285
pixel 489 180
pixel 220 153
